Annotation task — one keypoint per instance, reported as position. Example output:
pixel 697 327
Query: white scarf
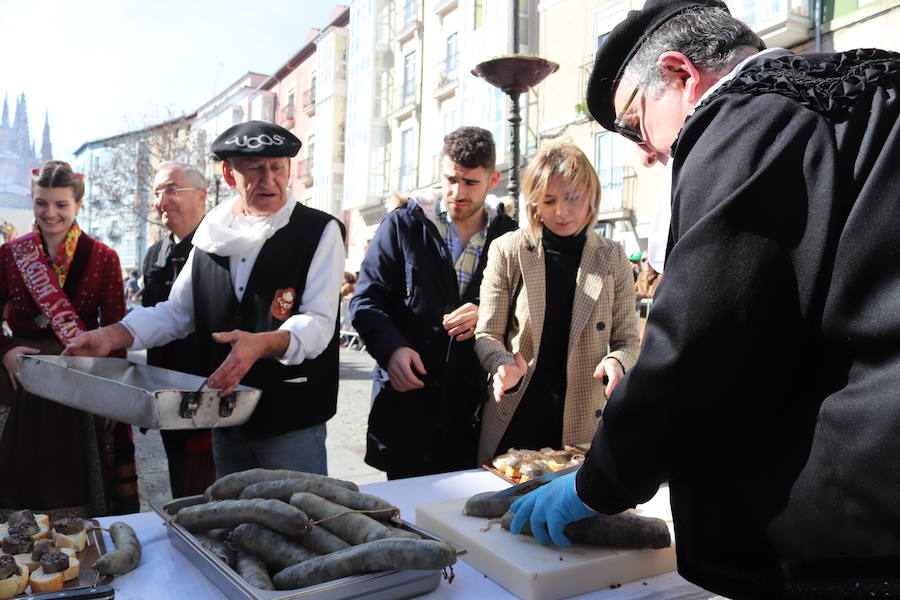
pixel 224 233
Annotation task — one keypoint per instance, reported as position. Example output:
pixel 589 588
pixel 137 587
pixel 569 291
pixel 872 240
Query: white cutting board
pixel 535 572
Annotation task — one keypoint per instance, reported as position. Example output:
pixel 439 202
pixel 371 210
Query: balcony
pixel 407 101
pixel 374 210
pixel 447 78
pixel 780 23
pixel 618 185
pixel 444 6
pixel 408 23
pixel 286 116
pixel 309 102
pixel 304 172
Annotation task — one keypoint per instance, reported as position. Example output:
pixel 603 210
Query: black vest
pixel 159 275
pixel 282 264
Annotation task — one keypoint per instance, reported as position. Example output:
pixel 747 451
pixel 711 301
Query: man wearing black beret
pixel 260 288
pixel 766 390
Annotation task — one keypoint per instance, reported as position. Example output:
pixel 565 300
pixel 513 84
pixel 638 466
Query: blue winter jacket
pixel 407 284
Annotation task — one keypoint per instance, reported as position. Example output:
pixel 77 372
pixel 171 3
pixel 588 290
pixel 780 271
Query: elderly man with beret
pixel 260 288
pixel 766 390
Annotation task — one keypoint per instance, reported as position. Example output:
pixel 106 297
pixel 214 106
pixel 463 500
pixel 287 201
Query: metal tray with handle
pixel 87 576
pixel 129 392
pixel 383 585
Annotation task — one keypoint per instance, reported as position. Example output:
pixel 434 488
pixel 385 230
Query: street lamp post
pixel 514 75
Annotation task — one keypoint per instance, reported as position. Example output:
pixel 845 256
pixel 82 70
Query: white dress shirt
pixel 310 331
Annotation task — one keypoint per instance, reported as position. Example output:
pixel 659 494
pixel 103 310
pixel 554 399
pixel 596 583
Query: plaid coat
pixel 604 324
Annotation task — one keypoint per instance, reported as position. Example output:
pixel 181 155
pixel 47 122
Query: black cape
pixel 768 388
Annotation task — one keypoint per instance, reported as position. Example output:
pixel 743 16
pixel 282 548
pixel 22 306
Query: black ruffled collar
pixel 829 84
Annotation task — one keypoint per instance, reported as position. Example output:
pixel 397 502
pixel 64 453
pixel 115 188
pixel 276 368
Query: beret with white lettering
pixel 622 44
pixel 255 139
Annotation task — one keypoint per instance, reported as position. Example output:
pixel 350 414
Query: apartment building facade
pixel 634 197
pixel 326 141
pixel 308 93
pixel 373 93
pixel 410 62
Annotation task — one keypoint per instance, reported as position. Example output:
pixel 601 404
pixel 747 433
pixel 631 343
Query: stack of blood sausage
pixel 283 530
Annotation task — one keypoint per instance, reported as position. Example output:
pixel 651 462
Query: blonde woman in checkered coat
pixel 557 313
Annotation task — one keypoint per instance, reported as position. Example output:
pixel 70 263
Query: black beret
pixel 621 45
pixel 255 138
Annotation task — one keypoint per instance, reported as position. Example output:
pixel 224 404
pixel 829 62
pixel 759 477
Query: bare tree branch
pixel 130 161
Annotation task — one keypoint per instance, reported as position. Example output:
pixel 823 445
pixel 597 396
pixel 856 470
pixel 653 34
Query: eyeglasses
pixel 159 194
pixel 622 128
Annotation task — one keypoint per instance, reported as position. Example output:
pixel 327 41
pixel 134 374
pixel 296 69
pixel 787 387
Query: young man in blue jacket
pixel 416 305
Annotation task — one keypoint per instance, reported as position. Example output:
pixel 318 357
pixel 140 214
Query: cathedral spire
pixel 17 119
pixel 23 133
pixel 46 148
pixel 5 121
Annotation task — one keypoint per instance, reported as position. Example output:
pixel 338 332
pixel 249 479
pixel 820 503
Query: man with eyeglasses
pixel 260 289
pixel 766 390
pixel 179 192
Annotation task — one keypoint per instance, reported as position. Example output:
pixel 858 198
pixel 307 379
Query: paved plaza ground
pixel 346 442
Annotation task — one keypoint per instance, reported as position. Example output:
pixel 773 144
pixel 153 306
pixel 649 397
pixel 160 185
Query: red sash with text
pixel 43 285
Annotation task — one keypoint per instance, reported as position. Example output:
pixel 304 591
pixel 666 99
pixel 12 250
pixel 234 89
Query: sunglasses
pixel 623 129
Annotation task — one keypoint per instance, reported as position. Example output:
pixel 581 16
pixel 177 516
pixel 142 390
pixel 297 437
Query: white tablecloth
pixel 164 573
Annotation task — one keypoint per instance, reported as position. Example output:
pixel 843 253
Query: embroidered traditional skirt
pixel 59 460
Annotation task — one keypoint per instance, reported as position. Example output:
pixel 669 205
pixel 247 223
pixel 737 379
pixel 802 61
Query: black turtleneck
pixel 562 255
pixel 538 419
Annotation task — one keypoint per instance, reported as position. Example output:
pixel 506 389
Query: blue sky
pixel 99 65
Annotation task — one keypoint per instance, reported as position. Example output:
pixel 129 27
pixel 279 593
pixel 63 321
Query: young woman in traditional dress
pixel 56 282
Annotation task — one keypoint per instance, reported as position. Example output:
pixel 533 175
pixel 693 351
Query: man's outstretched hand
pixel 549 509
pixel 246 349
pixel 100 342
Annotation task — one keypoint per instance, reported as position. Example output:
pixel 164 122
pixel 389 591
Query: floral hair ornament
pixel 79 175
pixel 35 171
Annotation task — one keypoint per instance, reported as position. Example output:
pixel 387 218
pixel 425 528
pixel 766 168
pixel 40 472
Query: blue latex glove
pixel 550 507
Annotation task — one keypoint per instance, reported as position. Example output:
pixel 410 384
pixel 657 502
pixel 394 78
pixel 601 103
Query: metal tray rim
pixel 43 358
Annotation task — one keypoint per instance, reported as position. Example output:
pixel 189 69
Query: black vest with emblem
pixel 294 396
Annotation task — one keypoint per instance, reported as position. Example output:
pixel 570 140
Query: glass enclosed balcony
pixel 780 23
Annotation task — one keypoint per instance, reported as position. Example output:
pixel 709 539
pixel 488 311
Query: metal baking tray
pixel 93 550
pixel 383 585
pixel 129 392
pixel 488 464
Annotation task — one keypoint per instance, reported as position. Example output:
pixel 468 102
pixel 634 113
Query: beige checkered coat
pixel 603 324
